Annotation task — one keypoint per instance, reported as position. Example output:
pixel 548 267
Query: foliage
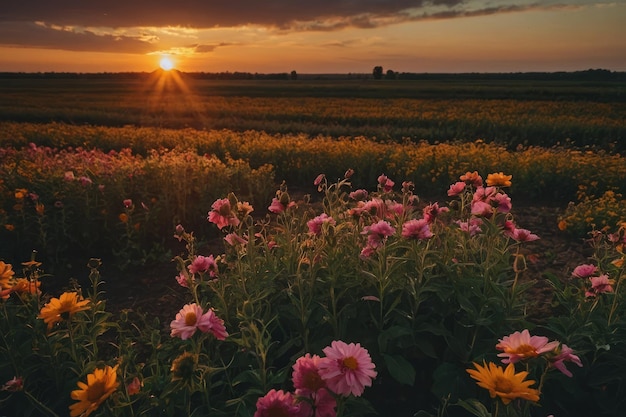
pixel 604 213
pixel 425 289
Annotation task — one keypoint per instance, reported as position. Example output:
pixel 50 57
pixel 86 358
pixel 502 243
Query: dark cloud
pixel 33 35
pixel 202 13
pixel 200 49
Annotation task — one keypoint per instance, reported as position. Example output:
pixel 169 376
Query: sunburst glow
pixel 166 63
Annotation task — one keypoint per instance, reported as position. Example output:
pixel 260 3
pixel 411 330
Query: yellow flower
pixel 6 273
pixel 62 308
pixel 505 384
pixel 100 385
pixel 500 179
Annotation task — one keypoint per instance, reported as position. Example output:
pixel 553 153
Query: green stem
pixel 39 404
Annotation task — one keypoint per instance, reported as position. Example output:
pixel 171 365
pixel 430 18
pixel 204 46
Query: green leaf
pixel 400 369
pixel 475 407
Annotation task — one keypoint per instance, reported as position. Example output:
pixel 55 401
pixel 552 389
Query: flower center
pixel 350 363
pixel 503 385
pixel 313 381
pixel 95 391
pixel 527 351
pixel 190 319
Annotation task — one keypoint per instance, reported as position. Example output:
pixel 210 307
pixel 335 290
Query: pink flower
pixel 472 178
pixel 416 229
pixel 203 264
pixel 134 386
pixel 276 206
pixel 222 214
pixel 85 181
pixel 377 232
pixel 472 226
pixel 190 318
pixel 481 208
pixel 599 285
pixel 187 321
pixel 210 323
pixel 522 235
pixel 393 208
pixel 584 271
pixel 127 203
pixel 502 202
pixel 521 345
pixel 359 195
pixel 234 239
pixel 316 223
pixel 432 211
pixel 277 403
pixel 324 402
pixel 306 377
pixel 318 180
pixel 69 176
pixel 347 368
pixel 182 280
pixel 456 188
pixel 385 183
pixel 13 385
pixel 566 355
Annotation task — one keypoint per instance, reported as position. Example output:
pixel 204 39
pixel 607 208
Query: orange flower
pixel 100 385
pixel 499 179
pixel 62 308
pixel 6 274
pixel 25 286
pixel 505 384
pixel 123 217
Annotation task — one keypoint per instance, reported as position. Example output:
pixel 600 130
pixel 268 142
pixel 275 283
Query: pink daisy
pixel 278 403
pixel 456 188
pixel 347 368
pixel 522 235
pixel 190 318
pixel 521 345
pixel 378 232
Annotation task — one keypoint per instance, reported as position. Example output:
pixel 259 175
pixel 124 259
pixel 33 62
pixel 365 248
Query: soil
pixel 153 290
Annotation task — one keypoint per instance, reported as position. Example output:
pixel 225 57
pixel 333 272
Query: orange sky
pixel 328 36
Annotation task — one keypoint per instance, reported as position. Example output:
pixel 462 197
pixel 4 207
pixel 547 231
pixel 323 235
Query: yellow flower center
pixel 350 363
pixel 526 351
pixel 190 319
pixel 503 385
pixel 95 391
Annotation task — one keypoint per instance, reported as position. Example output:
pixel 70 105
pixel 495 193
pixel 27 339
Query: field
pixel 397 214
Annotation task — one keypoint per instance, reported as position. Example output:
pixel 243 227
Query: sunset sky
pixel 322 36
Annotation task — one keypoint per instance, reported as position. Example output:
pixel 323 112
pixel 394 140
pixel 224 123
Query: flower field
pixel 365 301
pixel 317 273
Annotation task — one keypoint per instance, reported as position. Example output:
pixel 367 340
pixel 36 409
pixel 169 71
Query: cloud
pixel 148 26
pixel 283 14
pixel 40 35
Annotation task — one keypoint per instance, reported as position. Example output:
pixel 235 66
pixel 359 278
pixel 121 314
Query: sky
pixel 316 37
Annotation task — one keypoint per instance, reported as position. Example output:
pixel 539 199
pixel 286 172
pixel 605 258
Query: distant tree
pixel 293 75
pixel 390 75
pixel 377 72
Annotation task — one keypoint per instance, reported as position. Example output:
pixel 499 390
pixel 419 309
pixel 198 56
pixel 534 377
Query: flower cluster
pixel 346 370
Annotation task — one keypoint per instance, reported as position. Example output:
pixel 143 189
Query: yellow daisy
pixel 62 308
pixel 504 383
pixel 101 383
pixel 6 274
pixel 500 179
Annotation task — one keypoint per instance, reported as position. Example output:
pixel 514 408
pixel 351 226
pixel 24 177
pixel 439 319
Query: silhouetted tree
pixel 377 72
pixel 390 75
pixel 293 75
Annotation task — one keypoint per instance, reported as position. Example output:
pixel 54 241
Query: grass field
pixel 528 112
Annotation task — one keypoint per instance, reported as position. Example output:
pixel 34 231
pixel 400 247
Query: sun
pixel 166 63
